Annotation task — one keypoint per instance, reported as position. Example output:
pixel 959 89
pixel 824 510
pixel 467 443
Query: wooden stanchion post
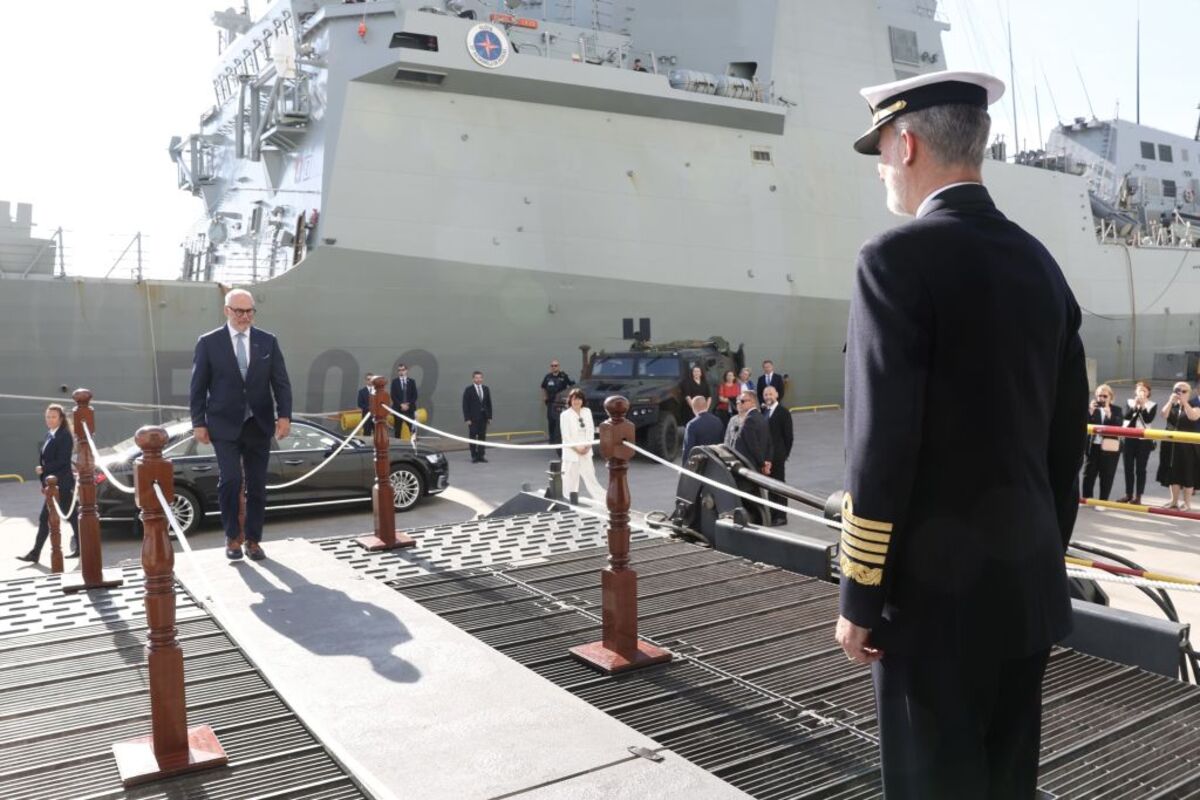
pixel 383 496
pixel 50 490
pixel 171 748
pixel 620 649
pixel 92 574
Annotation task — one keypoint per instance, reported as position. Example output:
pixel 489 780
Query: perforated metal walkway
pixel 762 696
pixel 73 681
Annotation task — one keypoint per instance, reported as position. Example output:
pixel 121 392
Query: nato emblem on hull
pixel 488 45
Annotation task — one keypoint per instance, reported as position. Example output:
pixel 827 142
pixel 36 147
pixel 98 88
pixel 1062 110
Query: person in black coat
pixel 404 398
pixel 769 378
pixel 1139 414
pixel 779 426
pixel 54 458
pixel 694 385
pixel 953 582
pixel 704 428
pixel 1103 452
pixel 754 440
pixel 364 405
pixel 477 413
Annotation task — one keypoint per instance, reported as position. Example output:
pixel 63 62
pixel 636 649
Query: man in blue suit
pixel 702 429
pixel 240 395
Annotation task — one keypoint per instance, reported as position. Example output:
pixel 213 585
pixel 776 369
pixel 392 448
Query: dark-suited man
pixel 404 397
pixel 779 427
pixel 364 405
pixel 240 394
pixel 704 428
pixel 477 413
pixel 754 440
pixel 54 458
pixel 953 581
pixel 769 378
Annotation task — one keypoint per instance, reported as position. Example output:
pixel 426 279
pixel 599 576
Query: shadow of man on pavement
pixel 327 622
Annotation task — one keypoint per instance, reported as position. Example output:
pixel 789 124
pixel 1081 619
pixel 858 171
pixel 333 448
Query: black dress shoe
pixel 233 550
pixel 254 552
pixel 29 558
pixel 482 460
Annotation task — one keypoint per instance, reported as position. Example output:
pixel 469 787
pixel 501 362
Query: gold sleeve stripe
pixel 868 547
pixel 859 555
pixel 867 576
pixel 869 524
pixel 863 533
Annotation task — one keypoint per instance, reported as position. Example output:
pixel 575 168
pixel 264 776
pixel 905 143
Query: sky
pixel 93 92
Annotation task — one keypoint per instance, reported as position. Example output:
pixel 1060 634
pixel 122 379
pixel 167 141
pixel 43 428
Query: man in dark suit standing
pixel 54 458
pixel 754 440
pixel 769 378
pixel 779 426
pixel 704 428
pixel 364 405
pixel 953 581
pixel 477 412
pixel 404 398
pixel 240 395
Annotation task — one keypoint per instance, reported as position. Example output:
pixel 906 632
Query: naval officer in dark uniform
pixel 953 582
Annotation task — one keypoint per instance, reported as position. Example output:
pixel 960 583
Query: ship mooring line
pixel 1092 574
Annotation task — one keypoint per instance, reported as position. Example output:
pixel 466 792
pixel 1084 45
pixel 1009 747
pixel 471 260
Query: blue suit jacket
pixel 704 429
pixel 55 459
pixel 219 396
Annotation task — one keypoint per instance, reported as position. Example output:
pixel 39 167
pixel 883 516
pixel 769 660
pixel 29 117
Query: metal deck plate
pixel 69 691
pixel 763 697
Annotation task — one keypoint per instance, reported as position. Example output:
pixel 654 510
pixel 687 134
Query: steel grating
pixel 67 693
pixel 760 695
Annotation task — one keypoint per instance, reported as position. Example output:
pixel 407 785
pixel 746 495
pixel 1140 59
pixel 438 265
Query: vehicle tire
pixel 408 486
pixel 662 439
pixel 187 511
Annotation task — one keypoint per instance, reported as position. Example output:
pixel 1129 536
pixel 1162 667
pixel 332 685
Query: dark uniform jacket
pixel 475 410
pixel 763 383
pixel 954 529
pixel 704 428
pixel 55 459
pixel 553 384
pixel 406 395
pixel 779 425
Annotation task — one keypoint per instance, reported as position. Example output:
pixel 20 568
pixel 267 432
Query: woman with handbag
pixel 1103 451
pixel 1179 463
pixel 1139 414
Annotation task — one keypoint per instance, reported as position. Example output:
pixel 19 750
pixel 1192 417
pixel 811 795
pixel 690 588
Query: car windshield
pixel 660 367
pixel 177 432
pixel 613 367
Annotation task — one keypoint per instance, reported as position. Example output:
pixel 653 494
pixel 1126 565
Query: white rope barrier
pixel 130 406
pixel 330 457
pixel 475 442
pixel 64 520
pixel 100 463
pixel 795 512
pixel 1090 574
pixel 210 598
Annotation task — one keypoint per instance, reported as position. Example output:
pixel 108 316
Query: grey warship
pixel 460 185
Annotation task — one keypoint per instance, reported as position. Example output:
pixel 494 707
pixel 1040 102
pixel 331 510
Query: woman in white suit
pixel 578 433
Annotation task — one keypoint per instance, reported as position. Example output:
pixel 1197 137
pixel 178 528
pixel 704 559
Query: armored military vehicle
pixel 649 375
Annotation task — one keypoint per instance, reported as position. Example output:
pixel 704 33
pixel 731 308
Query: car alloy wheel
pixel 407 487
pixel 186 509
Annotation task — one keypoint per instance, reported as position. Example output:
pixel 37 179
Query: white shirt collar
pixel 929 197
pixel 233 332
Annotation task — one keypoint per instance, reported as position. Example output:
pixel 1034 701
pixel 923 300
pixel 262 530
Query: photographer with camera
pixel 1179 463
pixel 1139 413
pixel 1103 452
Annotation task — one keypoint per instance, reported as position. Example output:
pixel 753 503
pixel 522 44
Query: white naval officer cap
pixel 890 100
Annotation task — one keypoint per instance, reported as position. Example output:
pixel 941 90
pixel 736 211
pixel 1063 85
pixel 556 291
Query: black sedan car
pixel 348 478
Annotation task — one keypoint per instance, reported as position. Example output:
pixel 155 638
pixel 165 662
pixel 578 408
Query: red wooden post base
pixel 137 764
pixel 610 661
pixel 620 649
pixel 374 543
pixel 78 582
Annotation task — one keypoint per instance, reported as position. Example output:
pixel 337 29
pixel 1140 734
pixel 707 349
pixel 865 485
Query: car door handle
pixel 291 462
pixel 202 469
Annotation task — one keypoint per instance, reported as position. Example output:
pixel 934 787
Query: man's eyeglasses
pixel 242 312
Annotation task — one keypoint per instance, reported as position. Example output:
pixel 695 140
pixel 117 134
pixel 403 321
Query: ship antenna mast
pixel 1054 104
pixel 1082 83
pixel 1138 69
